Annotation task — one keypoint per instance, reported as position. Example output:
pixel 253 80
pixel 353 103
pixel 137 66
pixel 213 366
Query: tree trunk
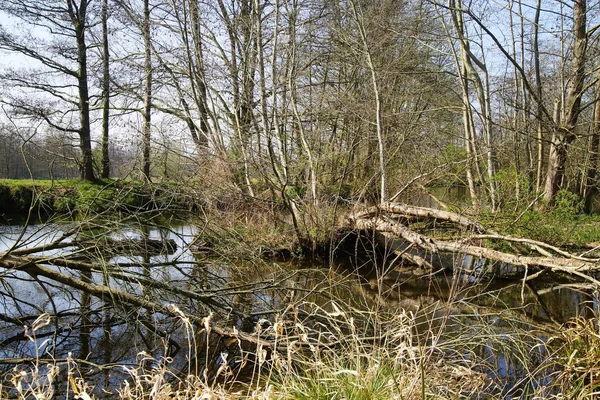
pixel 78 16
pixel 198 75
pixel 590 180
pixel 147 93
pixel 105 92
pixel 467 114
pixel 564 133
pixel 557 156
pixel 245 112
pixel 482 92
pixel 376 92
pixel 538 87
pixel 292 85
pixel 469 142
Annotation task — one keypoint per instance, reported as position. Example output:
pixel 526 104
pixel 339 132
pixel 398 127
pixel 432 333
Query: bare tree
pixel 564 130
pixel 65 57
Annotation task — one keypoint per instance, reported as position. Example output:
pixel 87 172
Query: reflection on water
pixel 87 326
pixel 490 305
pixel 456 302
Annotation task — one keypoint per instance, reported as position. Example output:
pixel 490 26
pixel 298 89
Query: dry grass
pixel 577 356
pixel 319 352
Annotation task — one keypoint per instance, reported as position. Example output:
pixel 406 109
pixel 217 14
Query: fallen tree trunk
pixel 386 219
pixel 405 210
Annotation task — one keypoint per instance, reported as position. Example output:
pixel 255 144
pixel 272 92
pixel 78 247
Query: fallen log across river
pixel 395 221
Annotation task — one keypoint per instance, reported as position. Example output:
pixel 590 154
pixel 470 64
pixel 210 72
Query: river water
pixel 97 330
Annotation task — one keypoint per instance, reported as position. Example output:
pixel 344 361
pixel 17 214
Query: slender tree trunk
pixel 275 133
pixel 590 188
pixel 78 16
pixel 557 155
pixel 366 50
pixel 538 87
pixel 483 96
pixel 105 92
pixel 240 38
pixel 277 127
pixel 487 127
pixel 197 75
pixel 146 137
pixel 517 102
pixel 465 69
pixel 185 19
pixel 245 113
pixel 269 125
pixel 293 99
pixel 564 133
pixel 469 134
pixel 525 115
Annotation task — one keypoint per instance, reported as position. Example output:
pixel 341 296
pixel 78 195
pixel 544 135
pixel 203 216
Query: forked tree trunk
pixel 564 133
pixel 467 114
pixel 481 89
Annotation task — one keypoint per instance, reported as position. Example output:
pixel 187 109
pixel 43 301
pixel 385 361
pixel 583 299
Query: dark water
pixel 437 196
pixel 462 300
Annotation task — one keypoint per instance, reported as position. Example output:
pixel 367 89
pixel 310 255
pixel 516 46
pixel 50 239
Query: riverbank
pixel 76 197
pixel 255 226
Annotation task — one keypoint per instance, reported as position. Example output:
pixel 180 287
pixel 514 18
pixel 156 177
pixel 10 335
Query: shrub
pixel 567 205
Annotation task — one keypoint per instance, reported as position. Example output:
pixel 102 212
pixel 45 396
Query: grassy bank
pixel 75 197
pixel 564 225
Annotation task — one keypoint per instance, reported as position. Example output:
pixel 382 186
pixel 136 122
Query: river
pixel 107 331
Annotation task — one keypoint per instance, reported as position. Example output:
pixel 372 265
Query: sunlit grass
pixel 77 197
pixel 577 356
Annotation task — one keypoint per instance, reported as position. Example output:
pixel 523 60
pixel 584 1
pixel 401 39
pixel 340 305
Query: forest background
pixel 312 100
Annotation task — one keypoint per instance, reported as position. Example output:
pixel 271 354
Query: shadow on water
pixel 468 297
